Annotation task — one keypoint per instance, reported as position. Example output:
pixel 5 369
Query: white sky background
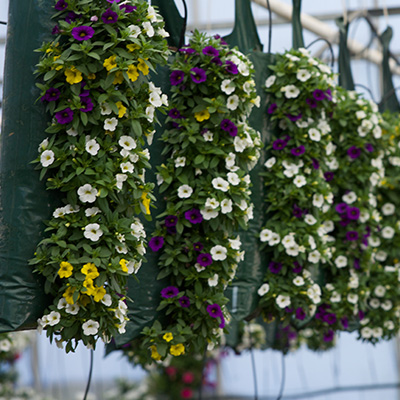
pixel 351 362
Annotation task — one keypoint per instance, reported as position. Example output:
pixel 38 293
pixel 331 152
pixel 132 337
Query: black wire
pixel 330 48
pixel 389 94
pixel 3 23
pixel 367 89
pixel 253 365
pixel 269 27
pixel 185 18
pixel 283 378
pixel 90 375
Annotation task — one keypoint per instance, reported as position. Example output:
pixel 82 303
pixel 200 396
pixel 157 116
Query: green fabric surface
pixel 345 74
pixel 297 29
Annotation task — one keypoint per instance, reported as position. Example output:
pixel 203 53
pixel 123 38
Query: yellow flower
pixel 91 76
pixel 119 78
pixel 73 75
pixel 68 294
pixel 110 63
pixel 132 47
pixel 168 337
pixel 88 284
pixel 99 293
pixel 133 73
pixel 90 271
pixel 177 349
pixel 145 202
pixel 154 353
pixel 202 115
pixel 55 58
pixel 65 270
pixel 84 300
pixel 121 109
pixel 143 67
pixel 122 263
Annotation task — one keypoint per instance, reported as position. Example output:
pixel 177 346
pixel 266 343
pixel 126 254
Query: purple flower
pixel 369 147
pixel 357 263
pixel 198 246
pixel 109 16
pixel 353 213
pixel 51 94
pixel 329 175
pixel 228 126
pixel 318 94
pixel 328 94
pixel 113 1
pixel 61 5
pixel 279 144
pixel 171 220
pixel 194 216
pixel 187 50
pixel 217 61
pixel 297 268
pixel 311 103
pixel 275 267
pixel 176 77
pixel 300 314
pixel 354 152
pixel 344 220
pixel 222 324
pixel 328 336
pixel 341 208
pixel 220 39
pixel 127 8
pixel 65 116
pixel 169 292
pixel 184 301
pixel 214 310
pixel 297 211
pixel 351 235
pixel 298 151
pixel 294 118
pixel 315 163
pixel 198 75
pixel 56 30
pixel 156 243
pixel 87 104
pixel 361 315
pixel 345 322
pixel 231 67
pixel 330 318
pixel 71 17
pixel 272 108
pixel 210 51
pixel 204 259
pixel 82 33
pixel 174 113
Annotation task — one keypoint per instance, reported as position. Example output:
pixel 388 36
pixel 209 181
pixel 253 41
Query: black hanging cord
pixel 185 18
pixel 269 27
pixel 283 378
pixel 329 45
pixel 3 23
pixel 90 375
pixel 367 89
pixel 253 364
pixel 390 93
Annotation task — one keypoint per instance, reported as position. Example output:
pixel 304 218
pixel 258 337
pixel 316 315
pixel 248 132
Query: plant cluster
pixel 96 87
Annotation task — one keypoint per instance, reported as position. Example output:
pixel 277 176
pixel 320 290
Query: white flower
pixel 349 198
pixel 232 102
pixel 180 162
pixel 310 219
pixel 150 113
pixel 72 309
pixel 300 181
pixel 213 281
pixel 127 142
pixel 184 191
pixel 292 250
pixel 248 86
pixel 388 209
pixel 264 288
pixel 53 318
pixel 314 134
pixel 106 300
pixel 162 32
pixel 389 325
pixel 377 332
pixel 92 147
pixel 91 212
pixel 377 132
pixel 110 124
pixel 93 232
pixel 288 240
pixel 199 268
pixel 282 301
pixel 290 91
pixel 43 145
pixel 352 298
pixel 265 235
pixel 387 232
pixel 366 332
pixel 226 206
pixel 134 31
pixel 148 29
pixel 303 75
pixel 233 178
pixel 218 253
pixel 47 158
pixel 379 291
pixel 230 160
pixel 73 132
pixel 275 239
pixel 127 167
pixel 240 144
pixel 59 212
pixel 209 213
pixel 270 162
pixel 387 305
pixel 220 184
pixel 314 256
pixel 341 262
pixel 212 203
pixel 374 241
pixel 227 86
pixel 336 297
pixel 235 243
pixel 270 81
pixel 298 281
pixel 5 346
pixel 87 193
pixel 90 327
pixel 361 115
pixel 208 136
pixel 155 99
pixel 62 303
pixel 133 266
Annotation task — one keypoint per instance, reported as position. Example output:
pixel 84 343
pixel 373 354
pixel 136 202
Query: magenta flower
pixel 61 5
pixel 198 75
pixel 127 8
pixel 297 267
pixel 369 147
pixel 329 175
pixel 87 104
pixel 300 314
pixel 294 118
pixel 275 267
pixel 51 94
pixel 109 16
pixel 204 259
pixel 341 208
pixel 169 292
pixel 171 221
pixel 217 61
pixel 198 246
pixel 328 336
pixel 353 213
pixel 351 236
pixel 65 116
pixel 82 33
pixel 214 310
pixel 279 144
pixel 210 51
pixel 228 126
pixel 156 243
pixel 298 151
pixel 345 322
pixel 311 103
pixel 272 108
pixel 318 94
pixel 176 77
pixel 315 163
pixel 194 216
pixel 56 30
pixel 231 67
pixel 329 318
pixel 184 301
pixel 354 152
pixel 174 113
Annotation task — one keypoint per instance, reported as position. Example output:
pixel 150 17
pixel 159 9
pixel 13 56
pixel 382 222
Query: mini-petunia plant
pixel 210 149
pixel 95 85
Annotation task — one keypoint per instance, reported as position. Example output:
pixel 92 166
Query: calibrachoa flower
pixel 99 122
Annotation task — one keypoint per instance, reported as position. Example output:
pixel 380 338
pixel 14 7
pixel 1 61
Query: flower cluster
pixel 302 96
pixel 96 87
pixel 205 181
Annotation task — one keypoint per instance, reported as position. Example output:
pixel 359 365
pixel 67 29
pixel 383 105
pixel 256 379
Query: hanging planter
pixel 95 86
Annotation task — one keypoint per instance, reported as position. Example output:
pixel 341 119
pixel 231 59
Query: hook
pixel 269 27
